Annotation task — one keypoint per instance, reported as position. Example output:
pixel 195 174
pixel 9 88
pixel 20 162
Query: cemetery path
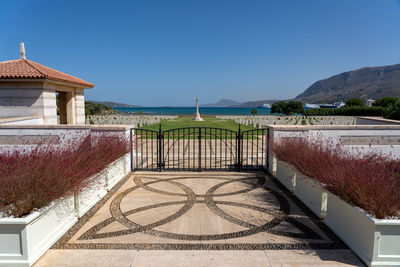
pixel 206 218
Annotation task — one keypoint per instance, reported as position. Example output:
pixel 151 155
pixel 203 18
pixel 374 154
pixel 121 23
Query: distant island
pixel 227 103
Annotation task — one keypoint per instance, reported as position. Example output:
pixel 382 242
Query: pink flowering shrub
pixel 370 182
pixel 32 179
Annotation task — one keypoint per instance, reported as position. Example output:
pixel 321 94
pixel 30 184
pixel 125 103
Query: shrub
pixel 385 102
pixel 96 109
pixel 287 108
pixel 369 182
pixel 32 179
pixel 254 111
pixel 354 102
pixel 393 111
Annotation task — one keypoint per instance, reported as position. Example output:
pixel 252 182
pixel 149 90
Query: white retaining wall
pixel 26 137
pixel 358 139
pixel 34 120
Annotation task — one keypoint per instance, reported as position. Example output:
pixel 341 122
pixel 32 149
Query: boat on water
pixel 266 105
pixel 334 105
pixel 310 106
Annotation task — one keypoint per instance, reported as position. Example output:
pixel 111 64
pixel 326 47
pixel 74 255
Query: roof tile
pixel 27 69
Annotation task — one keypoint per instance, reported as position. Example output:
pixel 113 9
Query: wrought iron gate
pixel 253 152
pixel 145 150
pixel 199 148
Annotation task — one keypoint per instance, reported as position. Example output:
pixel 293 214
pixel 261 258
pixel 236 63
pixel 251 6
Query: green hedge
pixel 346 111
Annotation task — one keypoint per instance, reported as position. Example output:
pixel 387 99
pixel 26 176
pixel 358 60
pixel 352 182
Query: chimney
pixel 22 50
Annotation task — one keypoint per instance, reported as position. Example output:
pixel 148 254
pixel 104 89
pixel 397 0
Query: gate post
pixel 267 150
pixel 131 140
pixel 199 149
pixel 160 147
pixel 238 149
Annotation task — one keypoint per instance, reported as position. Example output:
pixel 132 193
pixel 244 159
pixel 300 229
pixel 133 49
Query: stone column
pixel 49 106
pixel 71 109
pixel 80 106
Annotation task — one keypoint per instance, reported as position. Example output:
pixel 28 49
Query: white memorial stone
pixel 197 117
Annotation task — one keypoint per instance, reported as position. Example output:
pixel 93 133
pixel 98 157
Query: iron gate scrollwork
pixel 199 148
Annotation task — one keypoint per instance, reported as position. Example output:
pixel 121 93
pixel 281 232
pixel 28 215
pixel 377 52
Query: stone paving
pixel 201 219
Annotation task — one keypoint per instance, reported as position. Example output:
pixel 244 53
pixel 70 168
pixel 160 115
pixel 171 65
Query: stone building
pixel 30 90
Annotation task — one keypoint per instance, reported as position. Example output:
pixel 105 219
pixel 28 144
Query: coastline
pixel 189 111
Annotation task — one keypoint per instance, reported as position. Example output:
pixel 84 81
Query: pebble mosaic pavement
pixel 199 211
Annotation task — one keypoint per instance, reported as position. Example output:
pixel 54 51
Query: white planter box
pixel 286 174
pixel 115 172
pixel 376 242
pixel 105 180
pixel 24 240
pixel 85 200
pixel 311 194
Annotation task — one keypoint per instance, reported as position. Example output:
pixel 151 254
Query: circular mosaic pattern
pixel 254 182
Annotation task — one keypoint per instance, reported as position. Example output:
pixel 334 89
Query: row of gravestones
pixel 261 121
pixel 134 120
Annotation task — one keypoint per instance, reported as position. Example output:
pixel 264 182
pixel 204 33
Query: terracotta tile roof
pixel 27 69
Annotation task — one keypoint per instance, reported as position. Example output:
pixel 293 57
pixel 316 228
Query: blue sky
pixel 166 52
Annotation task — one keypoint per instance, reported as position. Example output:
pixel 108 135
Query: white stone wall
pixel 23 137
pixel 34 120
pixel 365 139
pixel 21 99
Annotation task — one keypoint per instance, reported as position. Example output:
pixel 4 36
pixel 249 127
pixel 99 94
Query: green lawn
pixel 182 122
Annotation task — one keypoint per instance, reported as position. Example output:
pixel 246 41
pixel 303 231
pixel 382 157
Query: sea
pixel 190 110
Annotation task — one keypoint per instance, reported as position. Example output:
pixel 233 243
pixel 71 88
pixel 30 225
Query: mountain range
pixel 365 83
pixel 222 103
pixel 227 103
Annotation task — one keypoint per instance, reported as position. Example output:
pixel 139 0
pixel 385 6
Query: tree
pixel 278 107
pixel 393 111
pixel 94 108
pixel 354 102
pixel 254 112
pixel 294 107
pixel 290 107
pixel 385 102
